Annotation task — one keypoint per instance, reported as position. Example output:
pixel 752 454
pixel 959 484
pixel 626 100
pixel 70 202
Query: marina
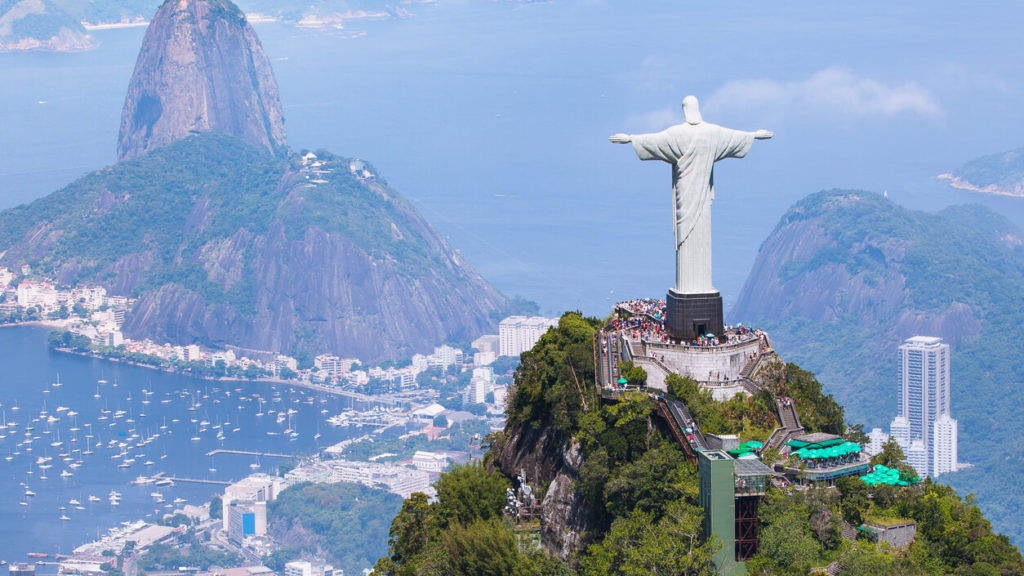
pixel 87 455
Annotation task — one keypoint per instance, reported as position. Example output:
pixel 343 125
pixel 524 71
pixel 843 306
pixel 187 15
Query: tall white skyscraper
pixel 944 445
pixel 923 399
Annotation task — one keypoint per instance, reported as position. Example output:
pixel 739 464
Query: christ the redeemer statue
pixel 693 148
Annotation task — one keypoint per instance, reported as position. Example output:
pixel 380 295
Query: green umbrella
pixel 623 381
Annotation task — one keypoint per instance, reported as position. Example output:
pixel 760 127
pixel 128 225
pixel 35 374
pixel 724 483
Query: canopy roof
pixel 890 476
pixel 814 451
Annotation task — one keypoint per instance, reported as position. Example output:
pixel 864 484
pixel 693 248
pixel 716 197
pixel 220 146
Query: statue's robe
pixel 693 149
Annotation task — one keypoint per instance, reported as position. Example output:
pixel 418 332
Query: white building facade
pixel 924 401
pixel 517 334
pixel 944 445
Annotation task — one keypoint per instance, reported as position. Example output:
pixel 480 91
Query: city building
pixel 517 334
pixel 944 445
pixel 246 518
pixel 445 357
pixel 395 479
pixel 924 377
pixel 899 430
pixel 430 461
pixel 876 439
pixel 488 348
pixel 303 568
pixel 254 488
pixel 479 386
pixel 917 456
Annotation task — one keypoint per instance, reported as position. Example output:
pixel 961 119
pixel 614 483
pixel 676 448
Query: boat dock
pixel 198 481
pixel 248 453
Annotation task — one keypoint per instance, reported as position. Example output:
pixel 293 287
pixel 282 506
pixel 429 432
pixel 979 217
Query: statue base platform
pixel 688 316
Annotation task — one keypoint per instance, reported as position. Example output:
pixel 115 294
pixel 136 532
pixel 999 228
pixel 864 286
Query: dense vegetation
pixel 964 256
pixel 462 533
pixel 640 493
pixel 213 234
pixel 347 524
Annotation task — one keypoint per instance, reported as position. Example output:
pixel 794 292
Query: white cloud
pixel 834 91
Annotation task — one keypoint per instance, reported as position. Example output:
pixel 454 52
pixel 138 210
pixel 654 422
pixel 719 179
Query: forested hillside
pixel 846 276
pixel 619 497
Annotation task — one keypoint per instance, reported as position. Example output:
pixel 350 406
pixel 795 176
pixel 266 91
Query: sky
pixel 493 118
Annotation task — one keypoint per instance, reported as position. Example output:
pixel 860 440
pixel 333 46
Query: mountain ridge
pixel 223 244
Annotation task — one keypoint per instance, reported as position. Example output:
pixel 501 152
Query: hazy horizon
pixel 493 119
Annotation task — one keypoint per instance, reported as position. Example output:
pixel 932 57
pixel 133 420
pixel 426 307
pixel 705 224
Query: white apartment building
pixel 517 334
pixel 917 456
pixel 876 439
pixel 944 445
pixel 254 488
pixel 924 378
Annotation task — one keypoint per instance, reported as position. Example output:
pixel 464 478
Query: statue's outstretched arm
pixel 620 138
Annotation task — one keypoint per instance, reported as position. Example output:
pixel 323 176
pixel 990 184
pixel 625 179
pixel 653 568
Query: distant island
pixel 40 26
pixel 1001 174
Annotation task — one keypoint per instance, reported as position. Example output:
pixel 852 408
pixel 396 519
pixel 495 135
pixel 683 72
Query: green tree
pixel 216 508
pixel 469 492
pixel 854 500
pixel 637 545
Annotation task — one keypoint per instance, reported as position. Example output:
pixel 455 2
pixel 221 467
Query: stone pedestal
pixel 688 316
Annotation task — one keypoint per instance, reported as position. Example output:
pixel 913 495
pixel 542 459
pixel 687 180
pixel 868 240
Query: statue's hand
pixel 763 134
pixel 620 138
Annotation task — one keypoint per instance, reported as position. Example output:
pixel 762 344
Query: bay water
pixel 168 420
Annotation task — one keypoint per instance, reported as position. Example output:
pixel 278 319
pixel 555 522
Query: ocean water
pixel 180 417
pixel 493 117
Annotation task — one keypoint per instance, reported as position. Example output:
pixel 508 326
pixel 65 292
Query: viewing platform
pixel 824 458
pixel 726 364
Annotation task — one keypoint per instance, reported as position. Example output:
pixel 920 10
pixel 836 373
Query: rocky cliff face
pixel 541 455
pixel 39 25
pixel 843 256
pixel 201 69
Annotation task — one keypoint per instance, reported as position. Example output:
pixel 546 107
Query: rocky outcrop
pixel 828 261
pixel 544 457
pixel 39 25
pixel 201 69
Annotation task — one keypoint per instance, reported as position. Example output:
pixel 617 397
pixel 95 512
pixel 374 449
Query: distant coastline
pixel 296 383
pixel 995 189
pixel 115 25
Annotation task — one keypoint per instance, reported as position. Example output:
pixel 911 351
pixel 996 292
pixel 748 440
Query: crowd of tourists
pixel 646 306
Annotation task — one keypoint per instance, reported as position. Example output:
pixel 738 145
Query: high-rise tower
pixel 923 399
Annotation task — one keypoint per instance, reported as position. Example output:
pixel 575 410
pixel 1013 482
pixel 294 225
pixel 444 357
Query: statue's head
pixel 691 110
